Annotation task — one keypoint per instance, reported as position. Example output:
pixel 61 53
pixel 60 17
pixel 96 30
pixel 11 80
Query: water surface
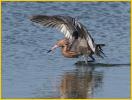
pixel 29 72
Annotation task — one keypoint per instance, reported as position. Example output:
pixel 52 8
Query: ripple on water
pixel 29 72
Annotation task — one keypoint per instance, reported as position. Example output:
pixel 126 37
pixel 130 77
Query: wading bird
pixel 77 41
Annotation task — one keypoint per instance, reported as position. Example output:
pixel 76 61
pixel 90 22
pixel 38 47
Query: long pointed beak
pixel 54 47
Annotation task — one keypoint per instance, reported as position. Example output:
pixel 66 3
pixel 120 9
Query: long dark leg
pixel 93 59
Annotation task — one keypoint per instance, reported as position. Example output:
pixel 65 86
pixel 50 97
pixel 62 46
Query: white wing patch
pixel 91 44
pixel 65 31
pixel 63 28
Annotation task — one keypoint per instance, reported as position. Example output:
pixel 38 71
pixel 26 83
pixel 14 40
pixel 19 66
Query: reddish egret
pixel 77 41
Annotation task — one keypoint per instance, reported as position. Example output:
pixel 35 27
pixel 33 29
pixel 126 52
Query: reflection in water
pixel 93 64
pixel 80 83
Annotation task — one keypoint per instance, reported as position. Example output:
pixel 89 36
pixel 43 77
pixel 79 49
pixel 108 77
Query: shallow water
pixel 29 72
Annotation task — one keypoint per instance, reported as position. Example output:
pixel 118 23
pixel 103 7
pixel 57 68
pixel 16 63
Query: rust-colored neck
pixel 67 53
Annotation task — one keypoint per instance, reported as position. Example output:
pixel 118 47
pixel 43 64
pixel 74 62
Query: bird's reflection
pixel 83 81
pixel 80 83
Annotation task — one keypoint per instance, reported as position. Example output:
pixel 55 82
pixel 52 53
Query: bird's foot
pixel 90 60
pixel 87 61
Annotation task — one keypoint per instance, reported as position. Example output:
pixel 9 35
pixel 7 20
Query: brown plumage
pixel 80 42
pixel 64 44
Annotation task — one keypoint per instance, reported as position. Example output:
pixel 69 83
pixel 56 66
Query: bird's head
pixel 61 43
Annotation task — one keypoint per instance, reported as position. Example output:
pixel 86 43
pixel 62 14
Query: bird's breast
pixel 69 54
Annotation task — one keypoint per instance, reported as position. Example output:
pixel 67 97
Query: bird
pixel 77 40
pixel 64 44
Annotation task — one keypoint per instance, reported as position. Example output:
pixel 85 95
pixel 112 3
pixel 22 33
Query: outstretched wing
pixel 86 37
pixel 72 29
pixel 63 23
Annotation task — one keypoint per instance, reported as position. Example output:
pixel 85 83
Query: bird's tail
pixel 99 51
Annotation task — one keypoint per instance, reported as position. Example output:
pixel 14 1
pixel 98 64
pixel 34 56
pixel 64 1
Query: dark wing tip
pixel 35 18
pixel 99 50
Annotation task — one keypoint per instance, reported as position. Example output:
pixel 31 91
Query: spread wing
pixel 63 23
pixel 86 38
pixel 73 30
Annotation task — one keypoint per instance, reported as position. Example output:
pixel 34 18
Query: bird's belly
pixel 84 50
pixel 70 54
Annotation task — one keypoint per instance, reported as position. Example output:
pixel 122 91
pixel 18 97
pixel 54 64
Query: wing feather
pixel 84 34
pixel 63 23
pixel 69 27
